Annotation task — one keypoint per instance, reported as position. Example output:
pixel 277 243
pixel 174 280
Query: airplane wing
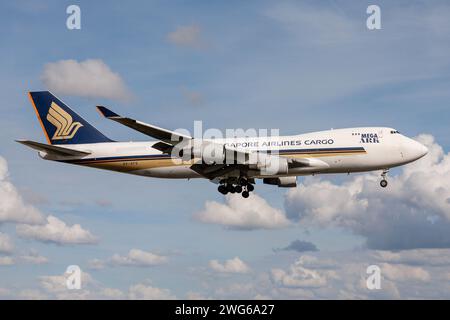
pixel 242 160
pixel 153 131
pixel 52 149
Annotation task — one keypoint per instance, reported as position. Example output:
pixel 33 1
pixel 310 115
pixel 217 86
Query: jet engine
pixel 284 182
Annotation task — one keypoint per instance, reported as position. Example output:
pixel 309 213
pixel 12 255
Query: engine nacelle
pixel 284 182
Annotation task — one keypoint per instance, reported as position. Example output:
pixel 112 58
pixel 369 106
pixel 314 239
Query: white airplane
pixel 233 163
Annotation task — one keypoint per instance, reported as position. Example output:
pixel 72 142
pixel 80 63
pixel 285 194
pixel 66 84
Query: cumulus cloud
pixel 12 207
pixel 186 36
pixel 299 246
pixel 55 288
pixel 147 292
pixel 112 294
pixel 32 294
pixel 192 295
pixel 33 258
pixel 435 257
pixel 6 244
pixel 30 258
pixel 89 78
pixel 137 257
pixel 96 264
pixel 234 265
pixel 413 212
pixel 32 223
pixel 398 272
pixel 57 283
pixel 4 292
pixel 344 275
pixel 56 231
pixel 244 214
pixel 6 261
pixel 299 276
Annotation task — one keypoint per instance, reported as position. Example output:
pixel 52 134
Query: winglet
pixel 107 113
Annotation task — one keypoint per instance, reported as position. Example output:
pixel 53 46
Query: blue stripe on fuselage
pixel 165 156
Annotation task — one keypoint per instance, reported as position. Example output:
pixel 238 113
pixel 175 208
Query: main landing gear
pixel 383 182
pixel 241 185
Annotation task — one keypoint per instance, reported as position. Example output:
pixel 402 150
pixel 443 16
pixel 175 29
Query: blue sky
pixel 296 66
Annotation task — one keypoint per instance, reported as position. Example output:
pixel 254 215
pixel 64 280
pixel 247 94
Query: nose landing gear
pixel 383 182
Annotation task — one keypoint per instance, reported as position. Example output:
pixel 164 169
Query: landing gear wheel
pixel 245 194
pixel 238 189
pixel 250 187
pixel 222 189
pixel 384 183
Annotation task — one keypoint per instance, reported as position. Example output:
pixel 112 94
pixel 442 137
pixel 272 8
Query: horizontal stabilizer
pixel 52 149
pixel 163 147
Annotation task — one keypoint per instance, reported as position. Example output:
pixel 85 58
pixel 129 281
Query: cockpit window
pixel 395 132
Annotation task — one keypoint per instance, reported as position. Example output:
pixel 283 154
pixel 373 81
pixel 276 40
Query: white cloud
pixel 137 257
pixel 147 292
pixel 96 264
pixel 57 231
pixel 299 276
pixel 4 292
pixel 412 212
pixel 12 207
pixel 399 272
pixel 186 36
pixel 6 244
pixel 435 257
pixel 32 223
pixel 192 295
pixel 33 258
pixel 6 261
pixel 240 213
pixel 234 265
pixel 56 286
pixel 235 290
pixel 88 78
pixel 32 294
pixel 342 276
pixel 112 294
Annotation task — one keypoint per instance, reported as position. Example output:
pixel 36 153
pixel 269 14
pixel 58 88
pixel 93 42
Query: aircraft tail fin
pixel 61 124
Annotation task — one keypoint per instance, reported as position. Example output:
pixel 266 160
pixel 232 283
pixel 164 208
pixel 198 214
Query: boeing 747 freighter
pixel 233 163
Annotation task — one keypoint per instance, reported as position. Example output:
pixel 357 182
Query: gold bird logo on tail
pixel 66 128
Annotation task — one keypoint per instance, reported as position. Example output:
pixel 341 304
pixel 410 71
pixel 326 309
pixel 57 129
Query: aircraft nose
pixel 418 150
